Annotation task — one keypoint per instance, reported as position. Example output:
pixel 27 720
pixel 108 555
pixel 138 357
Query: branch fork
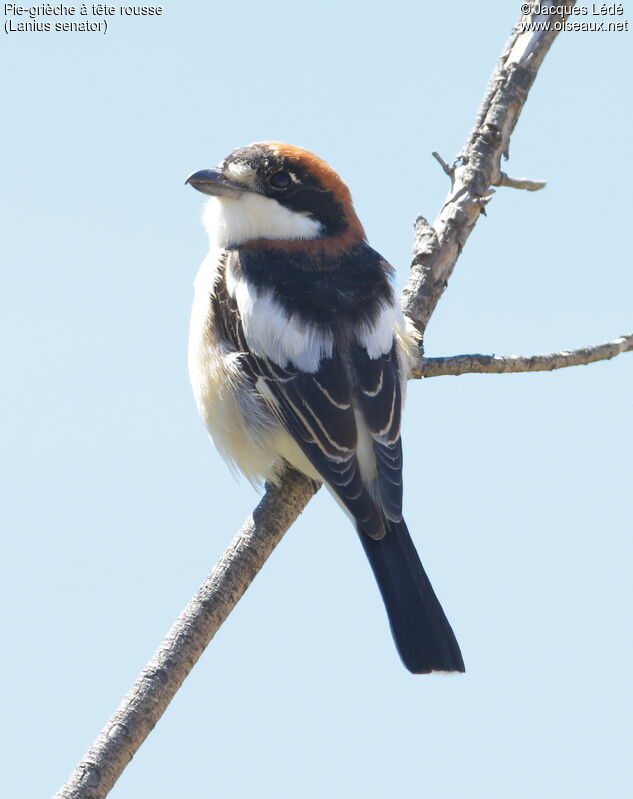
pixel 448 170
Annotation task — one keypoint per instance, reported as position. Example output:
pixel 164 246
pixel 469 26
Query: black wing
pixel 317 409
pixel 379 391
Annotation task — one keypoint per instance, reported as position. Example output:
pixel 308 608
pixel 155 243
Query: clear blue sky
pixel 518 488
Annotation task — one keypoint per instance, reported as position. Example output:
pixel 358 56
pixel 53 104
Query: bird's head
pixel 268 191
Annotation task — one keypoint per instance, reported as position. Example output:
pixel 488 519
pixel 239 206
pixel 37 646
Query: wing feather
pixel 326 432
pixel 314 407
pixel 380 400
pixel 319 410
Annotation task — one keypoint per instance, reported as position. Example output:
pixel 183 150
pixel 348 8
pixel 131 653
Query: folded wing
pixel 346 411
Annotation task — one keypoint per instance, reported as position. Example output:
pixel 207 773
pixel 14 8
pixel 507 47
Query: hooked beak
pixel 213 182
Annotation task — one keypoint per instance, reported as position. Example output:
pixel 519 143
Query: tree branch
pixel 190 634
pixel 436 250
pixel 504 364
pixel 478 167
pixel 520 183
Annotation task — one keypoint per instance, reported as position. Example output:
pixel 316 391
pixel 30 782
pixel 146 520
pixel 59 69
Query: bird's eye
pixel 280 180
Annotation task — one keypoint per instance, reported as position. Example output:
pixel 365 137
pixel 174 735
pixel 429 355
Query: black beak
pixel 213 182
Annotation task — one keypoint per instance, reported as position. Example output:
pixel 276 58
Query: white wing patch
pixel 272 333
pixel 377 339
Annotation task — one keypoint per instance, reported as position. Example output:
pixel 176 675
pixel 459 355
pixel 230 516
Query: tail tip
pixel 454 666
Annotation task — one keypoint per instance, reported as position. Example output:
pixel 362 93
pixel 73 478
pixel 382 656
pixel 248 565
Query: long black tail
pixel 423 636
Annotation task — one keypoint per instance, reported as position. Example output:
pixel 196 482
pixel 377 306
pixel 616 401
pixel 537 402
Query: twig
pixel 478 168
pixel 520 183
pixel 436 251
pixel 449 170
pixel 505 364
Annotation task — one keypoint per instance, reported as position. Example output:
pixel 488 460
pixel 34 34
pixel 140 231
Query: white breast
pixel 243 427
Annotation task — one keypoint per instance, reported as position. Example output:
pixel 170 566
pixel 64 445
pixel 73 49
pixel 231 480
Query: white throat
pixel 232 221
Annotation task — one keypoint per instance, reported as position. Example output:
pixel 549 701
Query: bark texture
pixel 476 170
pixel 157 683
pixel 504 364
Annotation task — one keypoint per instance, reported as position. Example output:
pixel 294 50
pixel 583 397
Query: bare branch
pixel 156 685
pixel 436 250
pixel 437 247
pixel 520 183
pixel 448 170
pixel 504 364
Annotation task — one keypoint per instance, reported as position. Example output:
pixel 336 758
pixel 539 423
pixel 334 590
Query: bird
pixel 299 354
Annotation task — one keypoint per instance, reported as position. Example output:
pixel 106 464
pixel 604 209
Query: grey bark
pixel 157 683
pixel 504 364
pixel 435 252
pixel 475 171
